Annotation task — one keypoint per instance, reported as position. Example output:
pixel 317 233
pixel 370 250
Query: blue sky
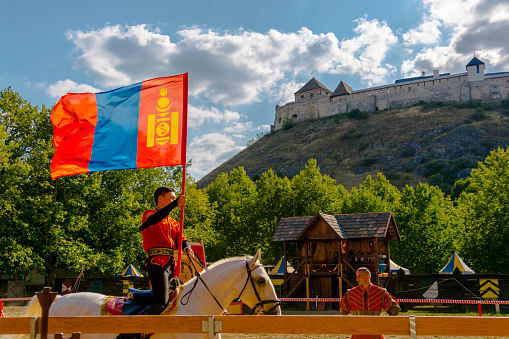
pixel 243 57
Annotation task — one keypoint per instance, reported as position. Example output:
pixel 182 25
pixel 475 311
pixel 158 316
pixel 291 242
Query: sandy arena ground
pixel 14 311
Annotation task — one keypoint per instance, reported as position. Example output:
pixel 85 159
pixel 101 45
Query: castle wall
pixel 302 110
pixel 490 89
pixel 445 88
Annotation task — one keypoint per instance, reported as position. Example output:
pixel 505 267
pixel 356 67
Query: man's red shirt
pixel 372 301
pixel 162 234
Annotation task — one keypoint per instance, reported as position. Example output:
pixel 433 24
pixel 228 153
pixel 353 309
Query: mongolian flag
pixel 137 126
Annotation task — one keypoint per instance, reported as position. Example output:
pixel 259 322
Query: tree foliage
pixel 427 224
pixel 87 220
pixel 483 209
pixel 91 220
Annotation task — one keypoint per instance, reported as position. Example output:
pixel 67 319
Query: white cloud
pixel 210 150
pixel 286 91
pixel 427 33
pixel 116 56
pixel 198 115
pixel 230 68
pixel 478 26
pixel 365 53
pixel 63 87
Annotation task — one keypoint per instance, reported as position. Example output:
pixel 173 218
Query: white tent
pixel 395 268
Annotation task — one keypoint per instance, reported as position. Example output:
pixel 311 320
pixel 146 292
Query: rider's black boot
pixel 153 309
pixel 129 336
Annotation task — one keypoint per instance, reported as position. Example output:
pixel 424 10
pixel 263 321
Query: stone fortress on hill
pixel 314 100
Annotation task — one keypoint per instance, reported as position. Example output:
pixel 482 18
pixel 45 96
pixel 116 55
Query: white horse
pixel 221 283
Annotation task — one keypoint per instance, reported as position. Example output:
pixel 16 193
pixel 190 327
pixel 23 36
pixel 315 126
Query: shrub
pixel 368 161
pixel 436 179
pixel 434 167
pixel 478 115
pixel 357 114
pixel 288 123
pixel 468 104
pixel 407 152
pixel 490 106
pixel 351 134
pixel 392 175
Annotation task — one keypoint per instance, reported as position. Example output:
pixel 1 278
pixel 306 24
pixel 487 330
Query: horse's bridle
pixel 258 309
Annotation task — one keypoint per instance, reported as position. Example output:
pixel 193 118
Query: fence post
pixel 413 332
pixel 2 308
pixel 45 298
pixel 479 308
pixel 33 327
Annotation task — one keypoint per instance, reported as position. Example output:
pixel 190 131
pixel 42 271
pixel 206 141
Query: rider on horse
pixel 160 240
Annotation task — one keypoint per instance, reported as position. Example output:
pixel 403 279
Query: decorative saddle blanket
pixel 137 303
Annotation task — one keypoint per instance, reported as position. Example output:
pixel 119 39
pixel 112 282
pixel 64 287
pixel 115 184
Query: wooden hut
pixel 328 249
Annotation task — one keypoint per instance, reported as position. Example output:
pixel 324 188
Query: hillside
pixel 435 143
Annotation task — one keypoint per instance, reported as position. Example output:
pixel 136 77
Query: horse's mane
pixel 218 263
pixel 222 261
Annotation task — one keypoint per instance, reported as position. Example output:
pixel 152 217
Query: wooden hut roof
pixel 369 225
pixel 330 220
pixel 290 228
pixel 347 226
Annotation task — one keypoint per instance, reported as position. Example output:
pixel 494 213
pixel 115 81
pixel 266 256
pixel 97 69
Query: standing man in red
pixel 368 299
pixel 160 241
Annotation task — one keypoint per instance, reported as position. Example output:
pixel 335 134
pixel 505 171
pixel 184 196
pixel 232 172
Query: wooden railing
pixel 290 324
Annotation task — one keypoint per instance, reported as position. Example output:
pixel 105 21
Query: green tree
pixel 483 211
pixel 377 195
pixel 313 192
pixel 273 203
pixel 233 197
pixel 87 220
pixel 427 223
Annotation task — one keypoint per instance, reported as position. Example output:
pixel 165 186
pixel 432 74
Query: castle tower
pixel 312 89
pixel 475 69
pixel 342 89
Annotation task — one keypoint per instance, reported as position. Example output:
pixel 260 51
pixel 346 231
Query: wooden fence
pixel 290 324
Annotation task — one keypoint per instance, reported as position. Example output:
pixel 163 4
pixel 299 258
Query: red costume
pixel 163 235
pixel 370 301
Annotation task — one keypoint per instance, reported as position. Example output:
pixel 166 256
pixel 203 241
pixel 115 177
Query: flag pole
pixel 183 155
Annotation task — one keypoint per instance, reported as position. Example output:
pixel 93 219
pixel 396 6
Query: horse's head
pixel 259 293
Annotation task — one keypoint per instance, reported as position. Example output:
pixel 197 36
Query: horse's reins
pixel 198 277
pixel 249 278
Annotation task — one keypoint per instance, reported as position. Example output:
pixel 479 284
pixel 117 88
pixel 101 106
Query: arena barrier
pixel 424 301
pixel 290 324
pixel 293 324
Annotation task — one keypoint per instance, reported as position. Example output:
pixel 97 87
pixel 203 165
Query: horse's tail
pixel 33 309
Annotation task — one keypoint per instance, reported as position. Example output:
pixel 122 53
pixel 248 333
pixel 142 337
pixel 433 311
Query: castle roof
pixel 342 89
pixel 427 77
pixel 475 62
pixel 311 85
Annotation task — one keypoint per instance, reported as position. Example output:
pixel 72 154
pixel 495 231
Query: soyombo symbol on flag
pixel 138 126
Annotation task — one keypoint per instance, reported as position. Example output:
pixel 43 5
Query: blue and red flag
pixel 137 126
